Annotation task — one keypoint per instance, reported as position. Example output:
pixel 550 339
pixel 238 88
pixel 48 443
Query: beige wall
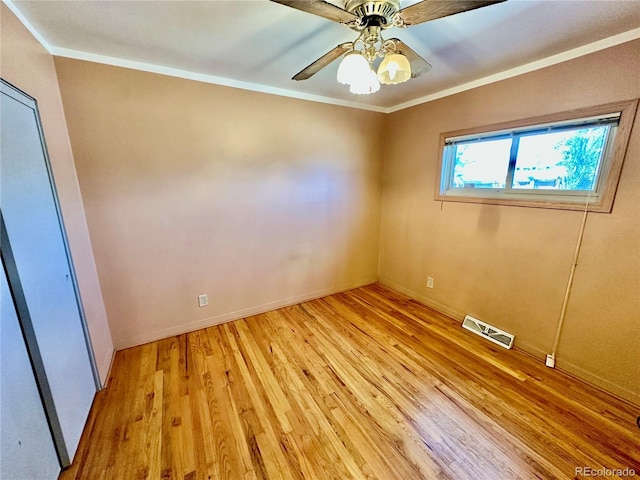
pixel 191 188
pixel 25 64
pixel 508 265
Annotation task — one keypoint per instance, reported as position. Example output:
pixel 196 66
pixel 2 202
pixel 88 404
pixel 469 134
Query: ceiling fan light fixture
pixel 366 85
pixel 370 18
pixel 395 68
pixel 353 68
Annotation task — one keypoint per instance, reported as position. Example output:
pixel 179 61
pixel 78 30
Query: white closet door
pixel 26 447
pixel 39 269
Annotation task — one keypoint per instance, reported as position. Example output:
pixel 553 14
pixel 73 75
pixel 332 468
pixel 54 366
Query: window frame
pixel 608 173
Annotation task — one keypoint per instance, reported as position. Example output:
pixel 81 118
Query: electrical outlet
pixel 429 282
pixel 203 300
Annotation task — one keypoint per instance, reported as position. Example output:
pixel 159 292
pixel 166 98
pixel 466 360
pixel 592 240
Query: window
pixel 557 161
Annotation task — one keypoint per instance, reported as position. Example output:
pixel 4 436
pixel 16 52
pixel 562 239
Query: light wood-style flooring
pixel 362 384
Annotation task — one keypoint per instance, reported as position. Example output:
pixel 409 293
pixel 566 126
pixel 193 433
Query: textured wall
pixel 509 265
pixel 190 188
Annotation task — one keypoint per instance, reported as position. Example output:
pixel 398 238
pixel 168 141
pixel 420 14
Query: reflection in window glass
pixel 565 160
pixel 568 160
pixel 481 164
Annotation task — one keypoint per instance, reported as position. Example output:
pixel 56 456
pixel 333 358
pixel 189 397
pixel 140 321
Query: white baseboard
pixel 599 382
pixel 426 300
pixel 105 366
pixel 235 315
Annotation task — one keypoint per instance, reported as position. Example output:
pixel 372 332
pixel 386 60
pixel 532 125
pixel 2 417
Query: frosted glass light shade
pixel 395 68
pixel 353 67
pixel 366 85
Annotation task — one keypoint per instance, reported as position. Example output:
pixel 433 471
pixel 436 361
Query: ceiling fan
pixel 369 18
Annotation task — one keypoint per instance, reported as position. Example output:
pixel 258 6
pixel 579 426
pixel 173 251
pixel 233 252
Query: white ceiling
pixel 260 45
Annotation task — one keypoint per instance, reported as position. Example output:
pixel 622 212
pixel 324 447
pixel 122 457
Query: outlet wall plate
pixel 550 361
pixel 203 300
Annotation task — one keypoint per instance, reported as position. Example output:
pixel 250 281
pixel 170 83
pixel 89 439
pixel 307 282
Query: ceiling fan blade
pixel 432 9
pixel 323 61
pixel 418 64
pixel 320 8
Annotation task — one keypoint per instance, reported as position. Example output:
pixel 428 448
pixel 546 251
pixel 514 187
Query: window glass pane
pixel 481 164
pixel 566 160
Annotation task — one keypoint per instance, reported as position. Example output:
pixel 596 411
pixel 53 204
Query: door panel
pixel 43 270
pixel 26 445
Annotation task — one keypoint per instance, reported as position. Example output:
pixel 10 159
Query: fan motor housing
pixel 384 10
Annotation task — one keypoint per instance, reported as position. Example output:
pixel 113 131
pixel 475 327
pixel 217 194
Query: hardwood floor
pixel 362 384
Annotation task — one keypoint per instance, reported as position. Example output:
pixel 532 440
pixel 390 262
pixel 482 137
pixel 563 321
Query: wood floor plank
pixel 364 384
pixel 268 439
pixel 313 366
pixel 360 377
pixel 559 406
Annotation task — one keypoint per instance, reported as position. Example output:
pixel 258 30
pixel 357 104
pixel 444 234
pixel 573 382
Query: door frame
pixel 15 285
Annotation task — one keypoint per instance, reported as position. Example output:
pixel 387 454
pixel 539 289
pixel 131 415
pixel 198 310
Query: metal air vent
pixel 487 331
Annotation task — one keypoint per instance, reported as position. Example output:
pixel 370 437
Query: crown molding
pixel 206 78
pixel 608 42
